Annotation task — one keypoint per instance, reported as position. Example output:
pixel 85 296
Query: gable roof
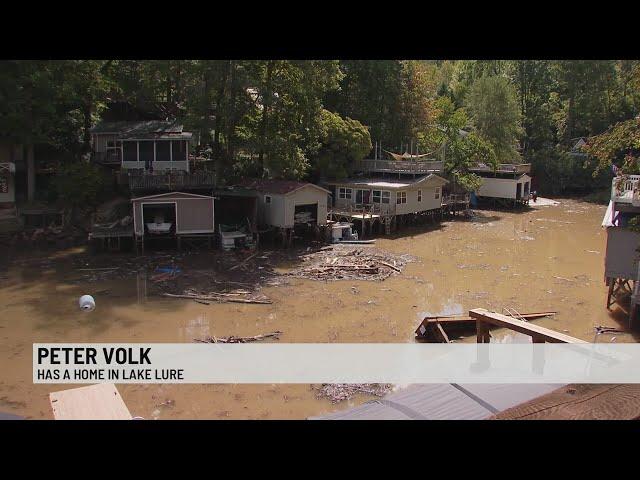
pixel 143 129
pixel 278 187
pixel 171 194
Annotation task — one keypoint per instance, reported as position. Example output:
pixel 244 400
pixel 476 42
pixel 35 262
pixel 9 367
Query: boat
pixel 159 228
pixel 357 242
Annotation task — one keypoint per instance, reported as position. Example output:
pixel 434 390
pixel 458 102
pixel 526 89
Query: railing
pixel 454 199
pixel 408 166
pixel 171 180
pixel 110 157
pixel 348 208
pixel 504 168
pixel 624 189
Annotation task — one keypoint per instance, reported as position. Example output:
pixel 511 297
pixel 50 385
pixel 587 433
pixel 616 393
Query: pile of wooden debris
pixel 350 263
pixel 337 392
pixel 233 339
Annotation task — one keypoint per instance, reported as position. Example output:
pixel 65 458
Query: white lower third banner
pixel 335 363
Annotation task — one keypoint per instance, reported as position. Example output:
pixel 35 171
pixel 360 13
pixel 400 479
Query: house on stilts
pixel 384 194
pixel 622 222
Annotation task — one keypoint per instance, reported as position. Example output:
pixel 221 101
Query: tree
pixel 494 112
pixel 79 185
pixel 344 141
pixel 459 149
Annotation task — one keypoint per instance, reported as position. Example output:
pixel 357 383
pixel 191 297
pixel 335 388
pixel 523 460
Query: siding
pixel 501 187
pixel 158 166
pixel 429 202
pixel 621 260
pixel 193 215
pixel 305 196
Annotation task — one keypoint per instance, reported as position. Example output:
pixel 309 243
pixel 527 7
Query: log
pixel 217 298
pixel 244 261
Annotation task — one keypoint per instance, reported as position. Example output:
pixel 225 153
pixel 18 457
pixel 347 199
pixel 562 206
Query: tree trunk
pixel 31 174
pixel 266 104
pixel 86 134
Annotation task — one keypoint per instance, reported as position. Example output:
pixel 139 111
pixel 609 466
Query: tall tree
pixel 494 112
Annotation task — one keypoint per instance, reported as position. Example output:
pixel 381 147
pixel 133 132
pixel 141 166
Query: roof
pixel 156 129
pixel 170 195
pixel 443 402
pixel 278 187
pixel 391 183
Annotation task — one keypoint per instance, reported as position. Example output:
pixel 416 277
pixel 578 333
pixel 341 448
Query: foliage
pixel 79 185
pixel 494 112
pixel 620 144
pixel 344 142
pixel 459 149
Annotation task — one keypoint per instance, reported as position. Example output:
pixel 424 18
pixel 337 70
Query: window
pixel 419 195
pixel 437 193
pixel 344 193
pixel 381 196
pixel 179 150
pixel 163 151
pixel 267 199
pixel 401 197
pixel 146 151
pixel 130 151
pixel 363 196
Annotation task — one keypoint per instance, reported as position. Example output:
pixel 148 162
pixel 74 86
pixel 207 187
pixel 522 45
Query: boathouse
pixel 173 215
pixel 509 184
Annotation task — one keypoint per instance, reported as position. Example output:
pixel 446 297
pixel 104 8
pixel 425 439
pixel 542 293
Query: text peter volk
pixel 122 364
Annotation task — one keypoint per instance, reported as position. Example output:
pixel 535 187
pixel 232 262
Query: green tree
pixel 344 141
pixel 494 112
pixel 459 149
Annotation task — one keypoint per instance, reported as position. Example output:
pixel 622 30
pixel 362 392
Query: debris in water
pixel 349 263
pixel 87 303
pixel 338 392
pixel 234 339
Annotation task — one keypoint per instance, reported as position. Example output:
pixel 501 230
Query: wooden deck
pixel 171 180
pixel 95 402
pixel 485 318
pixel 407 167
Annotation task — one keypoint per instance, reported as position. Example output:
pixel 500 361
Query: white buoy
pixel 87 303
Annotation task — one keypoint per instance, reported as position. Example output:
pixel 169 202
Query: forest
pixel 311 119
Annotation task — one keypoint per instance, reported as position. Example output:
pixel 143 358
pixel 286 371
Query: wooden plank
pixel 499 320
pixel 580 402
pixel 469 322
pixel 95 402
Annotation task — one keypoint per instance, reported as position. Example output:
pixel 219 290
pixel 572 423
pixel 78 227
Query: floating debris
pixel 234 339
pixel 348 263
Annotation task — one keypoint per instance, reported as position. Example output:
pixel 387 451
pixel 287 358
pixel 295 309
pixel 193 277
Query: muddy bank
pixel 549 258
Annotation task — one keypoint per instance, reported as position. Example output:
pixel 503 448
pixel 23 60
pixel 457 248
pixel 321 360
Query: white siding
pixel 498 188
pixel 305 196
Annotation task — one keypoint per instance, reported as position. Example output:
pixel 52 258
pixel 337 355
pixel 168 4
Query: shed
pixel 187 213
pixel 509 188
pixel 285 203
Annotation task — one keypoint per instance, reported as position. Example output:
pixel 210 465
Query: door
pixel 518 191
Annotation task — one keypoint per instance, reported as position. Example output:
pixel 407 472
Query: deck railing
pixel 516 168
pixel 365 208
pixel 110 157
pixel 408 166
pixel 171 180
pixel 624 189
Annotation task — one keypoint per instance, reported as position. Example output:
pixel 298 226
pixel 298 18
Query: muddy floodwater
pixel 544 259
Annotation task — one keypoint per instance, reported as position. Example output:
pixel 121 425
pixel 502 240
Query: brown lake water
pixel 544 259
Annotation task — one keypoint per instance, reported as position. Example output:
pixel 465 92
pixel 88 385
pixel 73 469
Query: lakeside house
pixel 385 192
pixel 623 238
pixel 151 155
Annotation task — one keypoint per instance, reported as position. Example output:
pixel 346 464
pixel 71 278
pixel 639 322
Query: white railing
pixel 348 208
pixel 405 166
pixel 624 189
